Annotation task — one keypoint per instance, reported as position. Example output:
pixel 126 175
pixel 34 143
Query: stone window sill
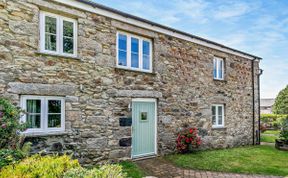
pixel 43 134
pixel 57 55
pixel 219 128
pixel 131 70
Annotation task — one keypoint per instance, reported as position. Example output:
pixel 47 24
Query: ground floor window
pixel 43 113
pixel 218 115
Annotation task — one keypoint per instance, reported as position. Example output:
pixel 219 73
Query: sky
pixel 259 27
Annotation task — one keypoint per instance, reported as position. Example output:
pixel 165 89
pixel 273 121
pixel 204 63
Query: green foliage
pixel 10 125
pixel 113 171
pixel 132 170
pixel 40 166
pixel 284 130
pixel 10 157
pixel 273 120
pixel 281 103
pixel 250 160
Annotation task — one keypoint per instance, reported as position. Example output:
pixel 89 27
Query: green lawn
pixel 274 132
pixel 251 160
pixel 132 170
pixel 270 136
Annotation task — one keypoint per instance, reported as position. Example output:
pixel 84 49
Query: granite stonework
pixel 98 94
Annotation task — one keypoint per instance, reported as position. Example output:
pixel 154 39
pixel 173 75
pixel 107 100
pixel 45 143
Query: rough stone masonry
pixel 97 94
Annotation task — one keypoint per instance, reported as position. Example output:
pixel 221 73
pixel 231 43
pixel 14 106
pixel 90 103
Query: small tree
pixel 10 127
pixel 281 103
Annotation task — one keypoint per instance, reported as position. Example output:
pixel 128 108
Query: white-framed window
pixel 218 68
pixel 134 52
pixel 43 114
pixel 218 115
pixel 58 34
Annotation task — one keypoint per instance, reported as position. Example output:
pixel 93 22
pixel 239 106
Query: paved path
pixel 160 168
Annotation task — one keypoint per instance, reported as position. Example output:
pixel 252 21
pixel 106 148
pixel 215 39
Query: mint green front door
pixel 143 128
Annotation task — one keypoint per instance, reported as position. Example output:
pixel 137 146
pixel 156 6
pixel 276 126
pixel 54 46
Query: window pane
pixel 220 67
pixel 50 25
pixel 68 45
pixel 122 58
pixel 33 106
pixel 134 45
pixel 33 121
pixel 213 120
pixel 50 42
pixel 54 120
pixel 219 110
pixel 146 62
pixel 122 42
pixel 135 60
pixel 213 110
pixel 215 68
pixel 68 29
pixel 50 33
pixel 146 48
pixel 54 106
pixel 134 52
pixel 220 119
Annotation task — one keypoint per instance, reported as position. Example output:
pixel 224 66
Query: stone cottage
pixel 106 85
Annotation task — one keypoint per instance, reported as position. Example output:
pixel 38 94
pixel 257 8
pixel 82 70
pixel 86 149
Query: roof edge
pixel 174 31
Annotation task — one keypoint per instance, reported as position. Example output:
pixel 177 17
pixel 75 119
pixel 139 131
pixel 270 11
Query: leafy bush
pixel 10 125
pixel 113 171
pixel 273 120
pixel 284 130
pixel 281 102
pixel 10 157
pixel 40 166
pixel 188 140
pixel 13 156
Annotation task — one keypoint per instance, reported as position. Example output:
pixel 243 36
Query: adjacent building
pixel 266 105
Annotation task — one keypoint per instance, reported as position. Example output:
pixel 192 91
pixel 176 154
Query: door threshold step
pixel 143 158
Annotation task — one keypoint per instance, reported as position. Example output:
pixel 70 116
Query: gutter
pixel 253 101
pixel 259 114
pixel 259 73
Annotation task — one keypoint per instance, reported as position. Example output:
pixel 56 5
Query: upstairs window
pixel 58 35
pixel 43 114
pixel 218 68
pixel 218 115
pixel 134 52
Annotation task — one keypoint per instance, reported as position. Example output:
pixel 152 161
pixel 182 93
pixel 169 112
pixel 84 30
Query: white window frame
pixel 44 114
pixel 141 39
pixel 59 34
pixel 217 61
pixel 217 125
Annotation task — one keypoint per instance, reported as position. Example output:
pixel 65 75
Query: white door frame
pixel 154 100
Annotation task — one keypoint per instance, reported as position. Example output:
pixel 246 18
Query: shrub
pixel 40 166
pixel 273 120
pixel 284 130
pixel 10 125
pixel 281 102
pixel 188 140
pixel 10 157
pixel 113 171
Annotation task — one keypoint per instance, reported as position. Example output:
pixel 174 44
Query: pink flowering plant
pixel 10 126
pixel 187 140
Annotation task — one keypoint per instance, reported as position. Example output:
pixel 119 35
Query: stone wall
pixel 98 94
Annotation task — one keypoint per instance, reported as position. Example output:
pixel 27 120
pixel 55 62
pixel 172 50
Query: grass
pixel 270 136
pixel 273 132
pixel 132 170
pixel 251 160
